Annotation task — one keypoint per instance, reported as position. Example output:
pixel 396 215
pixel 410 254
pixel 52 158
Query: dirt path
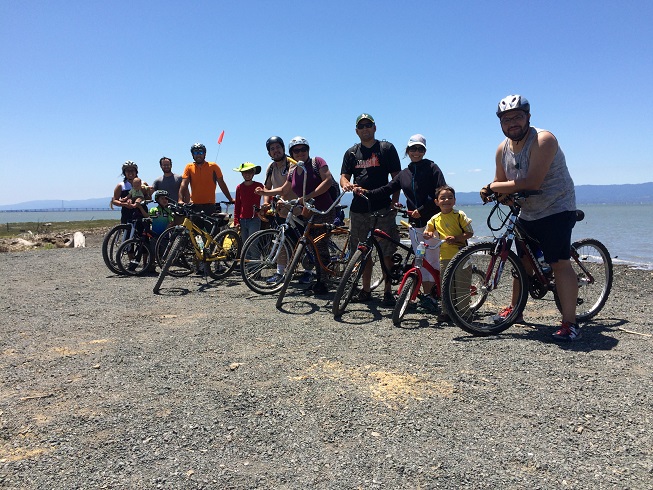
pixel 105 385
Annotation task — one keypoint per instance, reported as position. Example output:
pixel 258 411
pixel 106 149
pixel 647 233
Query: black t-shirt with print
pixel 370 168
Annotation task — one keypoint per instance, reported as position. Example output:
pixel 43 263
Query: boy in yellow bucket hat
pixel 245 215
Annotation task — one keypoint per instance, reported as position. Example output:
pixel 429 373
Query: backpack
pixel 334 190
pixel 268 173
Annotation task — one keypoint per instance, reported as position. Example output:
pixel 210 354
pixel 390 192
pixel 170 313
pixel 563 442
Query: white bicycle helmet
pixel 298 140
pixel 513 103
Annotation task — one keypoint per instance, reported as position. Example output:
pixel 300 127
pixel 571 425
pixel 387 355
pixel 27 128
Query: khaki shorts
pixel 361 223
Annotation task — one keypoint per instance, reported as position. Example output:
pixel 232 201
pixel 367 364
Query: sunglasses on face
pixel 365 125
pixel 199 152
pixel 299 150
pixel 417 148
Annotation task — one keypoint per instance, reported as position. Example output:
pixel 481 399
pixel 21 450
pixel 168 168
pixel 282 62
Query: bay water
pixel 625 229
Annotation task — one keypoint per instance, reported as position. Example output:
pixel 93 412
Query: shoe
pixel 427 304
pixel 443 318
pixel 306 278
pixel 362 296
pixel 568 332
pixel 200 269
pixel 505 313
pixel 320 288
pixel 275 279
pixel 132 266
pixel 389 299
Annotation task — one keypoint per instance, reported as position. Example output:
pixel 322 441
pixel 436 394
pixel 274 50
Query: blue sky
pixel 87 85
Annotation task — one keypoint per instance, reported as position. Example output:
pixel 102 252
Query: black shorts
pixel 553 234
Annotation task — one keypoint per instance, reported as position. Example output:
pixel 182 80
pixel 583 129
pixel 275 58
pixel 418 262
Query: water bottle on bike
pixel 419 254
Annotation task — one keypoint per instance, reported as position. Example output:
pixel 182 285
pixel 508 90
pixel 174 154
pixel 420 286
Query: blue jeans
pixel 249 226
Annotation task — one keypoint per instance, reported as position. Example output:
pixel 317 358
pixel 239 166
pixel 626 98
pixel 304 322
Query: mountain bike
pixel 265 249
pixel 134 256
pixel 115 237
pixel 306 251
pixel 502 270
pixel 411 283
pixel 216 223
pixel 216 255
pixel 369 252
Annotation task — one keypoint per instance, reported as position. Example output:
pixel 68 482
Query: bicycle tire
pixel 376 257
pixel 404 299
pixel 484 318
pixel 133 257
pixel 477 297
pixel 177 245
pixel 110 244
pixel 185 263
pixel 338 252
pixel 226 245
pixel 257 264
pixel 290 272
pixel 349 281
pixel 591 296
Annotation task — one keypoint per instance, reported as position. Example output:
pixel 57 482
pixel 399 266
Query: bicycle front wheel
pixel 133 257
pixel 110 244
pixel 173 257
pixel 184 265
pixel 593 266
pixel 224 254
pixel 479 307
pixel 349 281
pixel 258 260
pixel 297 257
pixel 404 299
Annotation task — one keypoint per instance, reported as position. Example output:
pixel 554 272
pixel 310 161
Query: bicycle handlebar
pixel 310 205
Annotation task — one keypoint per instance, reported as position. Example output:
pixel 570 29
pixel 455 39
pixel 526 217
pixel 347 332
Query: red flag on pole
pixel 220 137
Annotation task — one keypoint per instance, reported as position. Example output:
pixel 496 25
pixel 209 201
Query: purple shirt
pixel 323 201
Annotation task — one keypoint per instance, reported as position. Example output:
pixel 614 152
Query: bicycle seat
pixel 580 215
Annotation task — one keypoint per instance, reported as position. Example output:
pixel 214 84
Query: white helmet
pixel 297 140
pixel 513 103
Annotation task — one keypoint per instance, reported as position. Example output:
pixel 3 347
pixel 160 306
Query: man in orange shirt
pixel 202 176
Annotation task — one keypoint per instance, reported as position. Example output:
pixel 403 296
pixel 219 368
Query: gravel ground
pixel 105 385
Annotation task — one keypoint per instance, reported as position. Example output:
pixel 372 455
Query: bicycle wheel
pixel 376 258
pixel 476 290
pixel 349 281
pixel 338 252
pixel 258 260
pixel 112 240
pixel 177 246
pixel 133 257
pixel 594 270
pixel 404 299
pixel 481 316
pixel 185 263
pixel 224 253
pixel 297 257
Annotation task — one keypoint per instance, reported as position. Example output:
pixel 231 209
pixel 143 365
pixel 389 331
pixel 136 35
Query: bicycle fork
pixel 418 274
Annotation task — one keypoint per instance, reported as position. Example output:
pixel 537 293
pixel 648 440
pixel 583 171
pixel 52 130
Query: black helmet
pixel 129 164
pixel 274 139
pixel 198 146
pixel 513 103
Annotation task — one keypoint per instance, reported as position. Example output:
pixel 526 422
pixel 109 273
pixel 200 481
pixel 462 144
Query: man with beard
pixel 276 176
pixel 531 159
pixel 168 181
pixel 276 173
pixel 202 177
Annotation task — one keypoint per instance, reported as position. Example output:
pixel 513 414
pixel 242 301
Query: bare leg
pixel 567 289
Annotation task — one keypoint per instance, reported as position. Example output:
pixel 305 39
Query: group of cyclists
pixel 527 159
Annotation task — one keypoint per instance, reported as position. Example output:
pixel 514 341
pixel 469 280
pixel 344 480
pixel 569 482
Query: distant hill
pixel 585 194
